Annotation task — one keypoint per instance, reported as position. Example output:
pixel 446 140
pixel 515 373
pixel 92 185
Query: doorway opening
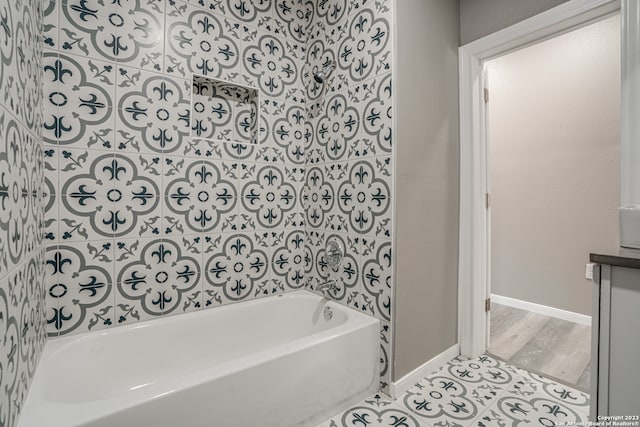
pixel 553 175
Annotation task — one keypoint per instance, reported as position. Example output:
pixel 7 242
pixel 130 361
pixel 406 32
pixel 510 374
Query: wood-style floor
pixel 542 344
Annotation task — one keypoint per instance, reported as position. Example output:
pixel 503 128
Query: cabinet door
pixel 624 342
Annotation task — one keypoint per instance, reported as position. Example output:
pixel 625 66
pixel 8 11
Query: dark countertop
pixel 624 258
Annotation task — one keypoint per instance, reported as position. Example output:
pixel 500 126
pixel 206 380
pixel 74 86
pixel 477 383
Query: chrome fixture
pixel 329 285
pixel 328 313
pixel 334 253
pixel 327 68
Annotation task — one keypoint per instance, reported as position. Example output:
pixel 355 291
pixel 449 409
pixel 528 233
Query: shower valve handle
pixel 334 253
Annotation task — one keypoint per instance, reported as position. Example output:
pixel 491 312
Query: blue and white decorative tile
pixel 3 255
pixel 19 393
pixel 106 183
pixel 224 111
pixel 21 194
pixel 365 197
pixel 271 109
pixel 376 411
pixel 191 147
pixel 139 216
pixel 295 218
pixel 235 268
pixel 50 232
pixel 22 83
pixel 288 19
pixel 14 165
pixel 213 150
pixel 486 378
pixel 247 11
pixel 319 197
pixel 91 34
pixel 199 196
pixel 377 122
pixel 297 93
pixel 268 241
pixel 9 355
pixel 215 6
pixel 338 175
pixel 51 10
pixel 81 80
pixel 26 309
pixel 79 280
pixel 201 43
pixel 40 257
pixel 212 116
pixel 314 242
pixel 484 369
pixel 332 12
pixel 288 259
pixel 269 287
pixel 288 133
pixel 266 198
pixel 377 276
pixel 461 390
pixel 338 126
pixel 131 33
pixel 293 174
pixel 14 188
pixel 35 158
pixel 13 223
pixel 365 50
pixel 440 399
pixel 79 164
pixel 85 219
pixel 127 311
pixel 385 356
pixel 482 392
pixel 134 176
pixel 268 66
pixel 539 409
pixel 530 384
pixel 153 112
pixel 158 275
pixel 191 300
pixel 30 226
pixel 320 56
pixel 79 96
pixel 314 152
pixel 79 310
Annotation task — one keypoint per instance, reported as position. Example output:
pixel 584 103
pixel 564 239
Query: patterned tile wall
pixel 22 316
pixel 349 160
pixel 160 200
pixel 155 208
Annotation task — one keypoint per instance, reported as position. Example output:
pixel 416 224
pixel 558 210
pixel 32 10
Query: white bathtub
pixel 276 362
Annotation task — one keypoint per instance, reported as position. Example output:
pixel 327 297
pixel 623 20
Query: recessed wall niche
pixel 224 111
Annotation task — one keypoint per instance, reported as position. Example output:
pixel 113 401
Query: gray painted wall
pixel 479 18
pixel 427 181
pixel 554 141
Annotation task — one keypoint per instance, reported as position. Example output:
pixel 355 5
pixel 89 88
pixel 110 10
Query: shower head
pixel 327 68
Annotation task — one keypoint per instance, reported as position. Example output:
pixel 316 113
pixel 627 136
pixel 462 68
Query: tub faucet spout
pixel 329 285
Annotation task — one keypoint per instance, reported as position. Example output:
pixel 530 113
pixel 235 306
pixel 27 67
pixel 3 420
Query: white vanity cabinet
pixel 615 360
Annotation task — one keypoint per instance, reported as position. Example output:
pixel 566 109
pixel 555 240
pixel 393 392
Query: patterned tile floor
pixel 479 392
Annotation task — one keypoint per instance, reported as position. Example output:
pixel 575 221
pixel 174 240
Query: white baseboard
pixel 401 386
pixel 570 316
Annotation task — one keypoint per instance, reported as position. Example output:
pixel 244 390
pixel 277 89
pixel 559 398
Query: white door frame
pixel 472 253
